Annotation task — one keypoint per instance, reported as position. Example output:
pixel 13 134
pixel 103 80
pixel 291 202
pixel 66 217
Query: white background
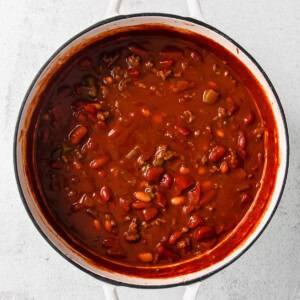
pixel 30 31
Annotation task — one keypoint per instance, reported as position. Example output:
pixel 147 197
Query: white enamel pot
pixel 195 24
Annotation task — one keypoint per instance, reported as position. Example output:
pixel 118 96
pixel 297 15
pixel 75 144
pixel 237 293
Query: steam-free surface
pixel 31 31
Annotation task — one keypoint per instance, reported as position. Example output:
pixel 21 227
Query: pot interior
pixel 104 29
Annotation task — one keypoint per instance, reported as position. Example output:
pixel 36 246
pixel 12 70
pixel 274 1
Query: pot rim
pixel 122 17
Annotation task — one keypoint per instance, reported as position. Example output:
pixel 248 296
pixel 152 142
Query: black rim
pixel 117 283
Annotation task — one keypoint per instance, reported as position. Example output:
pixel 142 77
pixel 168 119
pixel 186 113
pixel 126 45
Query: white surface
pixel 30 32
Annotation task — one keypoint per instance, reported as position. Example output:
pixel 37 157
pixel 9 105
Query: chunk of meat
pixel 132 234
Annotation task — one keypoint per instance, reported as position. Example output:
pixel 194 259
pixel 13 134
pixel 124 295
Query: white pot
pixel 28 196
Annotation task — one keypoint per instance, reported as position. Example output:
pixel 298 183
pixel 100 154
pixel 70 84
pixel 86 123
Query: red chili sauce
pixel 149 147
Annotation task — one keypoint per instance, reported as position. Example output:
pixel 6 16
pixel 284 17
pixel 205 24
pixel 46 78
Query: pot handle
pixel 191 291
pixel 110 291
pixel 194 9
pixel 113 9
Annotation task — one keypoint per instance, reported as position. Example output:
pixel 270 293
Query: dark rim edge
pixel 116 18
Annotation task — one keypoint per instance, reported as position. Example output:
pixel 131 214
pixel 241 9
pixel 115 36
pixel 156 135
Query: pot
pixel 193 24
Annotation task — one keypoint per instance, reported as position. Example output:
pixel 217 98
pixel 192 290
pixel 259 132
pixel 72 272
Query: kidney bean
pixel 195 194
pixel 77 134
pixel 195 221
pixel 216 154
pixel 142 196
pixel 162 251
pixel 108 80
pixel 153 174
pixel 150 213
pixel 179 200
pixel 166 181
pixel 224 167
pixel 187 209
pixel 125 203
pixel 166 63
pixel 242 142
pixel 175 236
pixel 105 193
pixel 133 73
pixel 146 257
pixel 140 205
pixel 183 182
pixel 246 198
pixel 160 248
pixel 220 133
pixel 99 162
pixel 243 153
pixel 92 108
pixel 207 197
pixel 204 232
pixel 107 226
pixel 170 255
pixel 97 225
pixel 249 118
pixel 161 199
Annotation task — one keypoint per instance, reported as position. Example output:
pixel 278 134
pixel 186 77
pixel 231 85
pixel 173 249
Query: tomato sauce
pixel 150 147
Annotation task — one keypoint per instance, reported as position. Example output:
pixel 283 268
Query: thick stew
pixel 149 147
